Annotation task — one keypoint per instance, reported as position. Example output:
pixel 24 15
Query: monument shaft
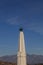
pixel 21 56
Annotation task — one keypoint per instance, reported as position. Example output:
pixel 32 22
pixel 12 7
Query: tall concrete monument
pixel 21 56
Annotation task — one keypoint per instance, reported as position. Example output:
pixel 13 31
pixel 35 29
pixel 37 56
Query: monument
pixel 21 55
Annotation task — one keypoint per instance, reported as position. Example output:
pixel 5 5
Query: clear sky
pixel 17 13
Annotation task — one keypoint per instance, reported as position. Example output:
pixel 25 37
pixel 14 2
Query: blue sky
pixel 17 13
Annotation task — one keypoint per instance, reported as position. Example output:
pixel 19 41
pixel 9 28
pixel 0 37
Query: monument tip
pixel 21 29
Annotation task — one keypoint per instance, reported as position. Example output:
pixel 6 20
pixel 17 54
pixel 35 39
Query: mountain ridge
pixel 31 59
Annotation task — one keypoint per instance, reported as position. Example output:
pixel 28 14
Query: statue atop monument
pixel 21 29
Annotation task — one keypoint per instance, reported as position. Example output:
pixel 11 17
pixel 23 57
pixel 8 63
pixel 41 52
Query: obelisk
pixel 21 55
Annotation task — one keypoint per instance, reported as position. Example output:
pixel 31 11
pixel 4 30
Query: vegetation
pixel 9 63
pixel 39 64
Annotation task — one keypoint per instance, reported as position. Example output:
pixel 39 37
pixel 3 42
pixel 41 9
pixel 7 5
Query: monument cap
pixel 21 29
